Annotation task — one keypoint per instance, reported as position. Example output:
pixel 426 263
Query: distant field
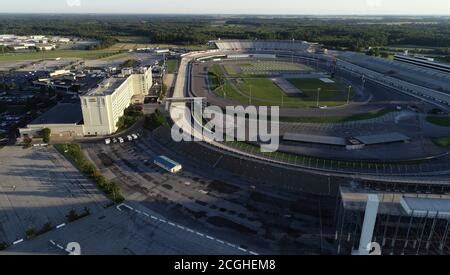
pixel 116 49
pixel 128 43
pixel 85 54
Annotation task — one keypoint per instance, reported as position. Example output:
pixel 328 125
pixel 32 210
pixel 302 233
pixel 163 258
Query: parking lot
pixel 39 186
pixel 219 204
pixel 128 230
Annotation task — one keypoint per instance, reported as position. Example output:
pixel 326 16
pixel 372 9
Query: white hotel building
pixel 101 108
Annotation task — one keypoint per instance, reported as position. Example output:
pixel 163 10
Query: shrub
pixel 72 216
pixel 31 233
pixel 3 246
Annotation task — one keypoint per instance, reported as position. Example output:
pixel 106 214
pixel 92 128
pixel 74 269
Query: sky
pixel 301 7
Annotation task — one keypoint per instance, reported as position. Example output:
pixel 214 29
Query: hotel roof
pixel 106 87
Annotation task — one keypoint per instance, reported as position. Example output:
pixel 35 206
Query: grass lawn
pixel 217 70
pixel 230 69
pixel 270 66
pixel 172 65
pixel 335 119
pixel 440 121
pixel 442 142
pixel 328 92
pixel 265 92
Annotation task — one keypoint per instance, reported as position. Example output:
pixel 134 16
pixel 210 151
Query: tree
pixel 46 135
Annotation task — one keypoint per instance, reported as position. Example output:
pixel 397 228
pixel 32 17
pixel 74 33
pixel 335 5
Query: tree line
pixel 333 32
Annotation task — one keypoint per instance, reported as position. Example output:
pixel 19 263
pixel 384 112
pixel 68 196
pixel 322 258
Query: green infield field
pixel 262 68
pixel 248 83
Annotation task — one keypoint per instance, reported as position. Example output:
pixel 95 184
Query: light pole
pixel 318 96
pixel 293 39
pixel 348 96
pixel 250 94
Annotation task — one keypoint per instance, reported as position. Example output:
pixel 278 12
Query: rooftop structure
pixel 422 207
pixel 383 138
pixel 63 113
pixel 328 140
pixel 106 87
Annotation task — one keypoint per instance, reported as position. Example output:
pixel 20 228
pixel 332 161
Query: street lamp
pixel 349 90
pixel 318 96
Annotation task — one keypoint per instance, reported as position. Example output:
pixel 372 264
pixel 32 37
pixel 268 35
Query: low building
pixel 64 120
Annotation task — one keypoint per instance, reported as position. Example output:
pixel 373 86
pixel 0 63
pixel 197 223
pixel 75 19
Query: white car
pixel 107 141
pixel 134 136
pixel 130 138
pixel 121 140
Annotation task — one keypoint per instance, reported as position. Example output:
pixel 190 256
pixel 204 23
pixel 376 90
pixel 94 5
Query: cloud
pixel 73 3
pixel 374 4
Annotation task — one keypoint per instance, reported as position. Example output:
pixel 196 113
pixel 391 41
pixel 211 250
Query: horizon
pixel 232 7
pixel 227 14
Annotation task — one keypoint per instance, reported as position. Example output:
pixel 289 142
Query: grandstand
pixel 422 62
pixel 266 45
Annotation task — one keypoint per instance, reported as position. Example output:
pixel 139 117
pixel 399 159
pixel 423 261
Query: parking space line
pixel 190 230
pixel 60 226
pixel 18 241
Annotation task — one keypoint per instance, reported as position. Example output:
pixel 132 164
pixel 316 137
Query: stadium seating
pixel 264 45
